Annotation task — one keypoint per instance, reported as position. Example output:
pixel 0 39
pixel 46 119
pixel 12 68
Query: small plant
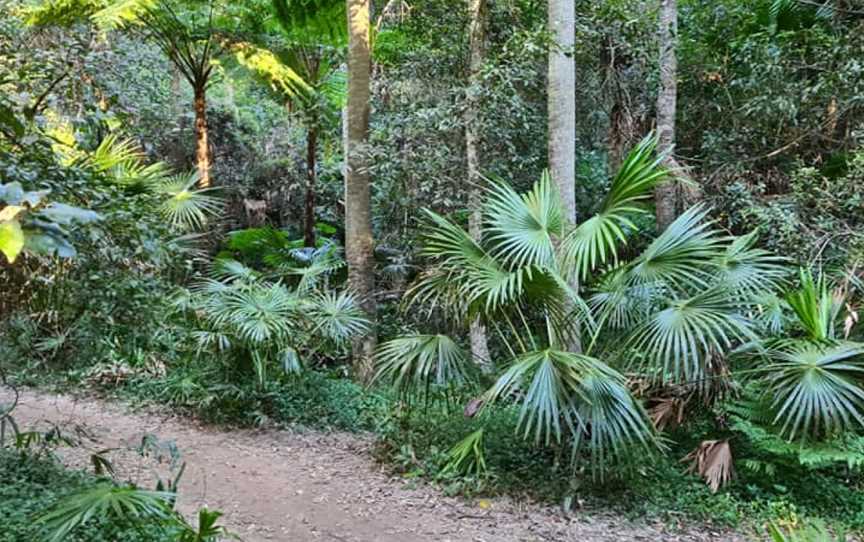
pixel 814 531
pixel 269 324
pixel 128 505
pixel 468 457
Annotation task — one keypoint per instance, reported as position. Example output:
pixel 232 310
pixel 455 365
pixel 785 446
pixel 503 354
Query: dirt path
pixel 298 487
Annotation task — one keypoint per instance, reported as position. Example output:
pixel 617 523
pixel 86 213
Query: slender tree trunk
pixel 477 33
pixel 202 147
pixel 561 106
pixel 666 197
pixel 562 102
pixel 309 221
pixel 358 222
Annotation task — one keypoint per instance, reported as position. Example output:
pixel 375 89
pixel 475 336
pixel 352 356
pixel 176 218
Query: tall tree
pixel 666 195
pixel 561 110
pixel 477 38
pixel 358 220
pixel 185 31
pixel 561 104
pixel 188 41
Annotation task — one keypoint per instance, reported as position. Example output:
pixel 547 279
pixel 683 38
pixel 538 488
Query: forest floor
pixel 278 485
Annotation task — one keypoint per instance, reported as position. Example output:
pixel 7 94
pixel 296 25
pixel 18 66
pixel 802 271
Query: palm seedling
pixel 269 323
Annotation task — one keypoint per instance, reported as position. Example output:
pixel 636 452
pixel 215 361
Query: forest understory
pixel 444 270
pixel 306 485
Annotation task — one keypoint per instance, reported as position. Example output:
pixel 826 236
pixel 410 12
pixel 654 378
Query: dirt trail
pixel 298 487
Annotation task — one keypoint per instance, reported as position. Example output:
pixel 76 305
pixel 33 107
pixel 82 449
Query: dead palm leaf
pixel 712 460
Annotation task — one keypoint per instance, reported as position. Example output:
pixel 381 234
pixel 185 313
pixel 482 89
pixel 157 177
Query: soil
pixel 293 486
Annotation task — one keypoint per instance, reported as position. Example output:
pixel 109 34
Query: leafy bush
pixel 30 487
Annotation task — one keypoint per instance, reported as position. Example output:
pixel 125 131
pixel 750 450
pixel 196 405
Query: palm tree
pixel 185 31
pixel 187 36
pixel 678 313
pixel 300 63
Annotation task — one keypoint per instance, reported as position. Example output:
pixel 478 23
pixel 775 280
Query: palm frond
pixel 815 306
pixel 420 361
pixel 748 271
pixel 817 389
pixel 613 421
pixel 712 460
pixel 679 339
pixel 684 255
pixel 337 317
pixel 596 240
pixel 106 500
pixel 521 228
pixel 468 456
pixel 184 206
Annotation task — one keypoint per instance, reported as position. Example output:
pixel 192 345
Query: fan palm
pixel 125 504
pixel 268 323
pixel 676 311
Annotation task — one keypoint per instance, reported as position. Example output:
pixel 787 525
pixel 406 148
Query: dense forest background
pixel 181 224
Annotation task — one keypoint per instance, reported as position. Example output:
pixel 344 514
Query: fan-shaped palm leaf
pixel 597 239
pixel 257 315
pixel 521 228
pixel 106 500
pixel 185 206
pixel 337 317
pixel 620 304
pixel 817 389
pixel 680 338
pixel 613 420
pixel 748 271
pixel 421 361
pixel 549 385
pixel 684 255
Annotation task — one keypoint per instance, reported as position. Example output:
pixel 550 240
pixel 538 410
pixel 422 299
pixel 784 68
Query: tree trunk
pixel 202 147
pixel 309 222
pixel 477 34
pixel 562 102
pixel 666 196
pixel 561 106
pixel 358 223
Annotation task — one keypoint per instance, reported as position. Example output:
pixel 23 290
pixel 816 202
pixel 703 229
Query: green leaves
pixel 105 501
pixel 27 223
pixel 683 255
pixel 597 240
pixel 11 239
pixel 184 206
pixel 468 456
pixel 816 390
pixel 417 362
pixel 815 306
pixel 681 338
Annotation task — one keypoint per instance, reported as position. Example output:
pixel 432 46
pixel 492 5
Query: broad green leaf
pixel 11 239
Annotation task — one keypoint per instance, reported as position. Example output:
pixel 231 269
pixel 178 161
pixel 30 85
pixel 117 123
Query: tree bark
pixel 358 223
pixel 561 87
pixel 477 36
pixel 561 110
pixel 309 221
pixel 202 147
pixel 666 194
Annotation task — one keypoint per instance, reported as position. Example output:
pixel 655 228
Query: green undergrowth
pixel 414 442
pixel 30 486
